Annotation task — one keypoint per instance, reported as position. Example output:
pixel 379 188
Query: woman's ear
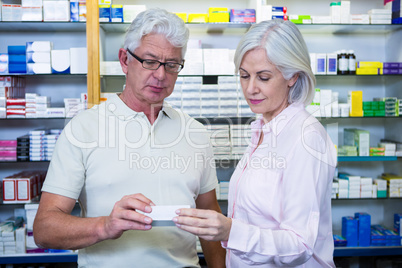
pixel 293 80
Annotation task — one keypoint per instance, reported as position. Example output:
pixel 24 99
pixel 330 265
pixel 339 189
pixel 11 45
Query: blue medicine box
pixel 74 13
pixel 350 230
pixel 116 13
pixel 104 13
pixel 364 226
pixel 14 58
pixel 242 15
pixel 16 50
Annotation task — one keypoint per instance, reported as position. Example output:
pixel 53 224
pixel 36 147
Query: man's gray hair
pixel 157 21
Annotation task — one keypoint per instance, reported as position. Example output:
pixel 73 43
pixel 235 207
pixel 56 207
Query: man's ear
pixel 123 58
pixel 293 80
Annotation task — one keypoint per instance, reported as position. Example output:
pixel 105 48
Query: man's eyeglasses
pixel 170 67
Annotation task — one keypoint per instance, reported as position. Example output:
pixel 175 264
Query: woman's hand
pixel 207 224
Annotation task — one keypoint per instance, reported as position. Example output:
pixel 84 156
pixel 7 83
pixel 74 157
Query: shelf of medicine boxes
pixel 39 26
pixel 304 28
pixel 72 257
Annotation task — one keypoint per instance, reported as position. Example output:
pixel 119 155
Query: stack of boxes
pixel 23 148
pixel 190 93
pixel 209 100
pixel 174 99
pixel 222 191
pixel 398 224
pixel 228 103
pixel 73 106
pixel 350 228
pixel 359 138
pixel 242 15
pixel 366 187
pixel 38 57
pixel 395 7
pixel 381 186
pixel 357 230
pixel 220 141
pixel 8 150
pixel 394 183
pixel 389 149
pixel 392 67
pixel 22 187
pixel 118 13
pixel 31 10
pixel 391 105
pixel 12 90
pixel 17 59
pixel 381 236
pixel 354 185
pixel 12 236
pixel 364 228
pixel 378 68
pixel 42 143
pixel 373 108
pixel 380 16
pixel 240 136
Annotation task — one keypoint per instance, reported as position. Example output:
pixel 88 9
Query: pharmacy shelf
pixel 39 26
pixel 73 257
pixel 304 28
pixel 367 251
pixel 39 258
pixel 42 118
pixel 366 158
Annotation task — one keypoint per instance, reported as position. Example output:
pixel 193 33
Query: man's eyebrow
pixel 155 57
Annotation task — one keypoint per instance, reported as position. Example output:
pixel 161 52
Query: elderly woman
pixel 280 193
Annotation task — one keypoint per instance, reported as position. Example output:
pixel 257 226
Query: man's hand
pixel 125 217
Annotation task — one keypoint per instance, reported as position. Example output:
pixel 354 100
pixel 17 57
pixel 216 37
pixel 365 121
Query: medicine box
pixel 60 61
pixel 364 226
pixel 242 15
pixel 38 57
pixel 218 14
pixel 56 10
pixel 350 230
pixel 359 138
pixel 131 11
pixel 39 46
pixel 116 13
pixel 78 60
pixel 104 13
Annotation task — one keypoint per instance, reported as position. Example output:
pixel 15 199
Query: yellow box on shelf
pixel 369 64
pixel 368 71
pixel 218 14
pixel 355 100
pixel 197 18
pixel 182 16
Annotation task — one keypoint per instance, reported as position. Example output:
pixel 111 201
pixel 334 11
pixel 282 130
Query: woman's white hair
pixel 157 21
pixel 287 50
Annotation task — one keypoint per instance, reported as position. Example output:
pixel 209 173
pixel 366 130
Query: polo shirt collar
pixel 117 106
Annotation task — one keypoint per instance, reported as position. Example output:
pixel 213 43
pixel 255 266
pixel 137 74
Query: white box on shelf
pixel 38 57
pixel 39 68
pixel 78 60
pixel 39 46
pixel 56 10
pixel 60 61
